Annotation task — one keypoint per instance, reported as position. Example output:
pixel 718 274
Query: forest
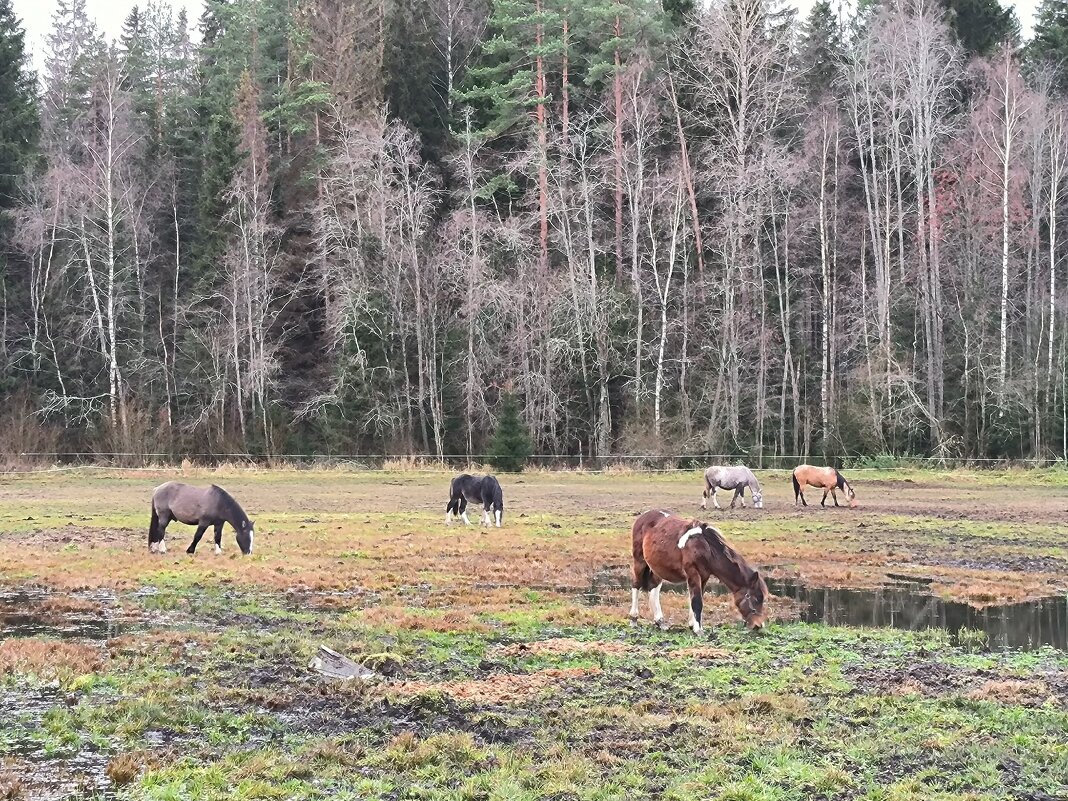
pixel 365 226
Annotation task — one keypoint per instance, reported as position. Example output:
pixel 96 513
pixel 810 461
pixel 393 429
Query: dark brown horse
pixel 668 548
pixel 202 507
pixel 826 478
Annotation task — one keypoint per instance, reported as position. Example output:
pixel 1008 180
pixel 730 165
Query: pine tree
pixel 1049 46
pixel 510 447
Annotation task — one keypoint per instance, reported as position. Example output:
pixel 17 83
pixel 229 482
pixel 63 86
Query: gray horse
pixel 735 477
pixel 201 507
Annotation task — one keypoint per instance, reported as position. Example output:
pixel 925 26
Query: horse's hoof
pixel 190 550
pixel 634 622
pixel 661 624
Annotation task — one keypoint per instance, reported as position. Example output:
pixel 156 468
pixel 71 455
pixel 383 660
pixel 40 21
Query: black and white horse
pixel 476 489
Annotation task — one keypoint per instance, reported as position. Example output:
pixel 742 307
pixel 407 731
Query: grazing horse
pixel 201 507
pixel 737 478
pixel 477 489
pixel 828 478
pixel 668 548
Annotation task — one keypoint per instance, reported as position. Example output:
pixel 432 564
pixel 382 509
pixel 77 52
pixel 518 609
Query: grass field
pixel 508 672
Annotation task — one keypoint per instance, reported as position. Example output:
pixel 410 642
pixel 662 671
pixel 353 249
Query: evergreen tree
pixel 414 79
pixel 18 107
pixel 822 49
pixel 982 25
pixel 1049 46
pixel 510 447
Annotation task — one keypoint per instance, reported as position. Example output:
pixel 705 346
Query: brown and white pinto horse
pixel 806 475
pixel 668 548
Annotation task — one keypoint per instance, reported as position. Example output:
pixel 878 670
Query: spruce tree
pixel 1049 46
pixel 982 26
pixel 822 49
pixel 18 107
pixel 510 447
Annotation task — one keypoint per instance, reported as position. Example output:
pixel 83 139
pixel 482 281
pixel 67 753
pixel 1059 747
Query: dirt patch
pixel 48 658
pixel 495 689
pixel 150 643
pixel 435 620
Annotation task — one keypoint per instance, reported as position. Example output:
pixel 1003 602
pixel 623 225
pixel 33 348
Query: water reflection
pixel 1023 626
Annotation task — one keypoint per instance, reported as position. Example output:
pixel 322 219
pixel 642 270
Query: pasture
pixel 508 667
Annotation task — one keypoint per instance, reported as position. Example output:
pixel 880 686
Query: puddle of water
pixel 21 616
pixel 1023 626
pixel 907 605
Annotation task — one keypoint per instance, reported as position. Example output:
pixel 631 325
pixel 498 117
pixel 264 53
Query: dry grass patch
pixel 47 658
pixel 1013 692
pixel 445 622
pixel 495 689
pixel 153 642
pixel 563 645
pixel 126 768
pixel 11 786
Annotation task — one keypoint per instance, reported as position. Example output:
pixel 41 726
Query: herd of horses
pixel 664 547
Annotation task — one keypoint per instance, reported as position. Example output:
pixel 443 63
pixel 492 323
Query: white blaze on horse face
pixel 634 603
pixel 686 537
pixel 498 513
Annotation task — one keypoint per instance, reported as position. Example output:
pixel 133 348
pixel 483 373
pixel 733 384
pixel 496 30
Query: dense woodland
pixel 355 226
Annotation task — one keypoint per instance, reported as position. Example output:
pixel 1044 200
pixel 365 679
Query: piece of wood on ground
pixel 330 663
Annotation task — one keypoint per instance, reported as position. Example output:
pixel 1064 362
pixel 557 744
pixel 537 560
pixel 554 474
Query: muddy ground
pixel 506 665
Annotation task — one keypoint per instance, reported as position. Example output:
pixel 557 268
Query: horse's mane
pixel 840 479
pixel 231 507
pixel 719 545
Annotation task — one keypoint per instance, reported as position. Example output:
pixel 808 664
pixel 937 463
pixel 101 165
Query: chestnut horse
pixel 668 548
pixel 826 477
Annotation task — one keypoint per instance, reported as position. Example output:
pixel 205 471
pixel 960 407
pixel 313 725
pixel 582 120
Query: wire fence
pixel 60 461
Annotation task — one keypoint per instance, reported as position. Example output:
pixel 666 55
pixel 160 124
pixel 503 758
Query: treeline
pixel 346 226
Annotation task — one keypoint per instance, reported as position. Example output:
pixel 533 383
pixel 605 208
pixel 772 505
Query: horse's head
pixel 751 600
pixel 246 533
pixel 758 499
pixel 852 496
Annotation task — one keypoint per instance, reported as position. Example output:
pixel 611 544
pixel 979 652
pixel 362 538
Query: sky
pixel 36 16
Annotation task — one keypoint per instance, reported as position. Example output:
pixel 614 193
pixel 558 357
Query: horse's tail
pixel 498 494
pixel 153 527
pixel 797 486
pixel 840 480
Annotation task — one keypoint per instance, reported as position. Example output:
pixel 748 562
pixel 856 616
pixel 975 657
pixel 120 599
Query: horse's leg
pixel 218 536
pixel 834 495
pixel 450 507
pixel 196 539
pixel 697 588
pixel 486 506
pixel 738 494
pixel 654 604
pixel 824 501
pixel 638 573
pixel 715 500
pixel 463 510
pixel 161 543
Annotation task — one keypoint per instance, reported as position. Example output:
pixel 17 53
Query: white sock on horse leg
pixel 634 603
pixel 466 520
pixel 218 550
pixel 162 548
pixel 654 602
pixel 715 500
pixel 498 513
pixel 448 517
